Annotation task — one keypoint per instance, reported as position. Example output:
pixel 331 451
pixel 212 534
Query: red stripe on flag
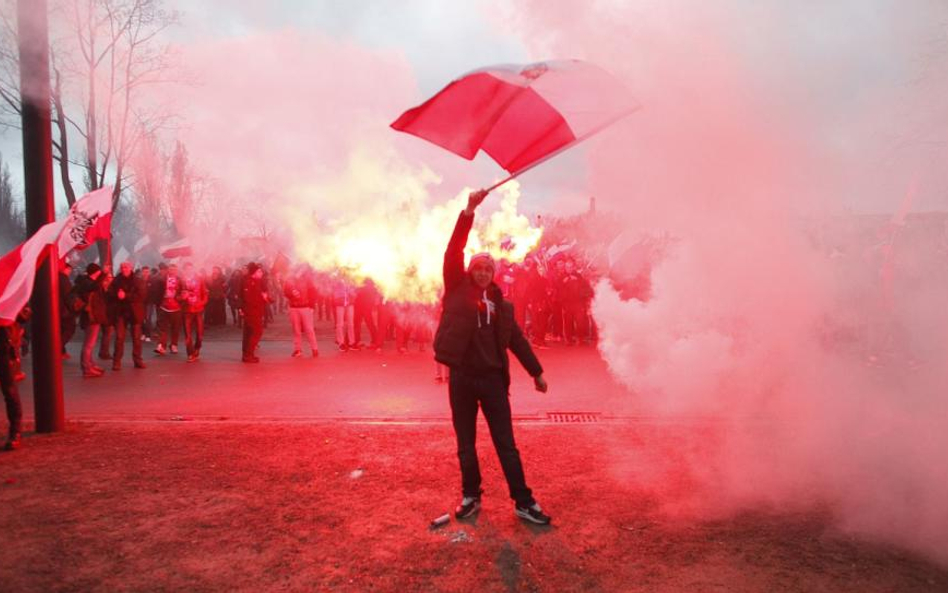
pixel 528 130
pixel 8 266
pixel 100 230
pixel 460 117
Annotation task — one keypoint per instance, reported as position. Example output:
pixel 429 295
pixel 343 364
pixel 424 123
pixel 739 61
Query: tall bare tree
pixel 181 190
pixel 150 166
pixel 12 219
pixel 105 53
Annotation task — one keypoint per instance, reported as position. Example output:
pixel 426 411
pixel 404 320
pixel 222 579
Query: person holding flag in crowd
pixel 477 328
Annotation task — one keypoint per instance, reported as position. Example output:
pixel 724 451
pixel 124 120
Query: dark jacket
pixel 155 289
pixel 217 288
pixel 459 315
pixel 574 288
pixel 97 307
pixel 300 292
pixel 253 299
pixel 93 296
pixel 132 307
pixel 192 294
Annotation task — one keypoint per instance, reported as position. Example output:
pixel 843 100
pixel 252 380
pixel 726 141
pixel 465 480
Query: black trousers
pixel 67 327
pixel 467 391
pixel 123 327
pixel 253 331
pixel 11 394
pixel 169 322
pixel 194 332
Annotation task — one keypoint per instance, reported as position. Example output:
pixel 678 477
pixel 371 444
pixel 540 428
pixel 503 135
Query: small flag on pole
pixel 179 248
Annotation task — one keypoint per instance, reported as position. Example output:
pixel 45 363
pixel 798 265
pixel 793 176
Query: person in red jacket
pixel 193 298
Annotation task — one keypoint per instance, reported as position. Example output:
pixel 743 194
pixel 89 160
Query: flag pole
pixel 565 147
pixel 33 32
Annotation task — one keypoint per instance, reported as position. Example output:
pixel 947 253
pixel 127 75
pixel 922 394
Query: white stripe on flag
pixel 142 243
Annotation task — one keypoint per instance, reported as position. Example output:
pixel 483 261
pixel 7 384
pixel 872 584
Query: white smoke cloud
pixel 819 361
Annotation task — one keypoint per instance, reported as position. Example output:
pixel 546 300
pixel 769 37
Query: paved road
pixel 350 385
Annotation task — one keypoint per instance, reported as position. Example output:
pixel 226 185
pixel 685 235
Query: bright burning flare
pixel 388 232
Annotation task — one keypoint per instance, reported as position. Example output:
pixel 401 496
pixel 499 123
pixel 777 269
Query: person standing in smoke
pixel 193 299
pixel 144 275
pixel 477 327
pixel 343 296
pixel 127 299
pixel 67 306
pixel 575 296
pixel 169 310
pixel 366 301
pixel 88 288
pixel 253 306
pixel 216 296
pixel 300 292
pixel 234 282
pixel 11 395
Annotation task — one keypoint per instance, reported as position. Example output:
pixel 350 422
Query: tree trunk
pixel 63 141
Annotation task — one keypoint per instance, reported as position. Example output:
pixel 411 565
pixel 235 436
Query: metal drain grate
pixel 573 416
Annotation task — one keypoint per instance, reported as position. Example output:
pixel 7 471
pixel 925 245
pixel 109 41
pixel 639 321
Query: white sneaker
pixel 532 513
pixel 174 349
pixel 468 507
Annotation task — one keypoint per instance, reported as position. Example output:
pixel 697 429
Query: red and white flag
pixel 520 115
pixel 89 220
pixel 179 248
pixel 86 223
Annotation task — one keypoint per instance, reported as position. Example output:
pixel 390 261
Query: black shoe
pixel 468 507
pixel 13 443
pixel 533 514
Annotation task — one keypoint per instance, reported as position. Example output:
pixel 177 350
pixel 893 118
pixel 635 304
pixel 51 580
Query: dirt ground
pixel 214 506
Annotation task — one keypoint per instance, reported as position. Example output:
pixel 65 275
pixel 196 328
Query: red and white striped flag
pixel 88 221
pixel 180 248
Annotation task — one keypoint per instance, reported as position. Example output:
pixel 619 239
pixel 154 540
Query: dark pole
pixel 40 210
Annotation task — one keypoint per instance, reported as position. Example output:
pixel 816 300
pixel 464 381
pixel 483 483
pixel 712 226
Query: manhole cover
pixel 573 416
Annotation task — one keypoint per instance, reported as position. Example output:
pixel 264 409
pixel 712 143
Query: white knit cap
pixel 483 257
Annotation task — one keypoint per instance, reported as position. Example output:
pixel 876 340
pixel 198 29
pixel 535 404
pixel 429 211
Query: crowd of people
pixel 154 307
pixel 158 306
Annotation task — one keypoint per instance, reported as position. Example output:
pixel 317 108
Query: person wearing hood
pixel 476 329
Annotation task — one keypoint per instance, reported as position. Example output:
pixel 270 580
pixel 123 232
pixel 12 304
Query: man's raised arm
pixel 454 254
